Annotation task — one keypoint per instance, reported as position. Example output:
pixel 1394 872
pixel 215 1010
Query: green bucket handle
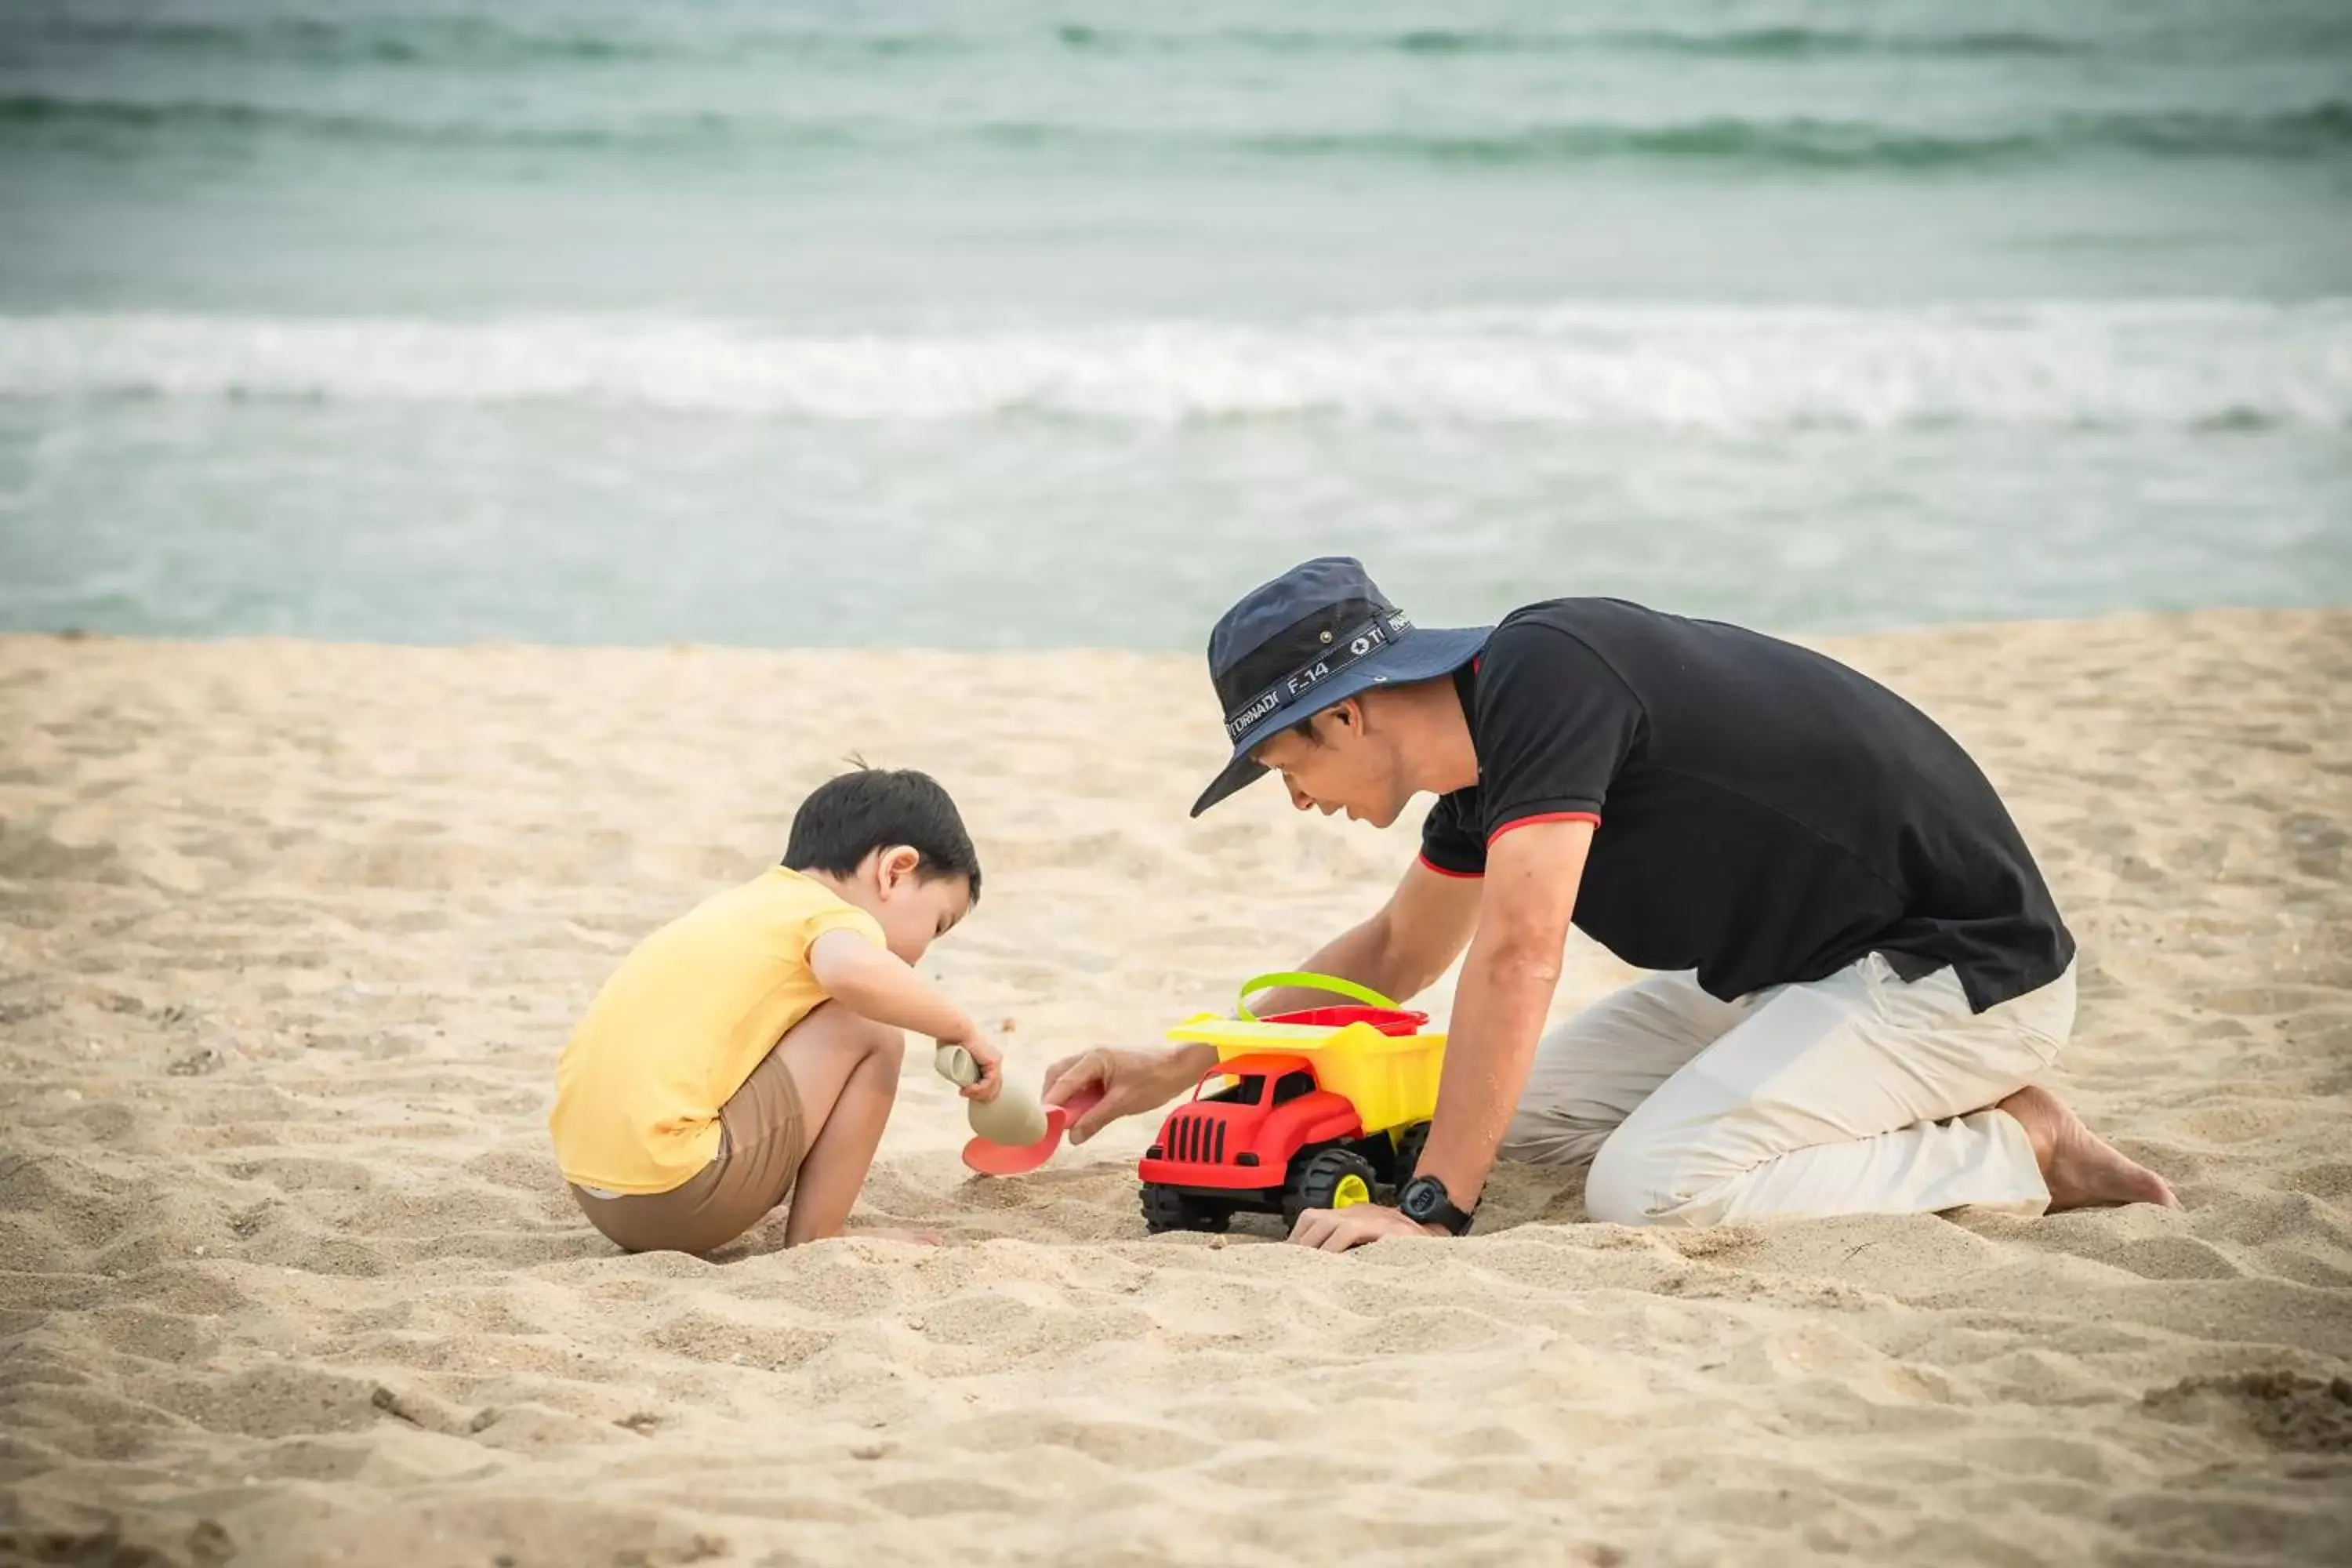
pixel 1331 983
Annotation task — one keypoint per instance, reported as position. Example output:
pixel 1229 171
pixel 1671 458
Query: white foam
pixel 2159 364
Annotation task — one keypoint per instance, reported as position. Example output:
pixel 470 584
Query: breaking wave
pixel 2186 365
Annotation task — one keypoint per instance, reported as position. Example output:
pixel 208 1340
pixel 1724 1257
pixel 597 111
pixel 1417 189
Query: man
pixel 1859 964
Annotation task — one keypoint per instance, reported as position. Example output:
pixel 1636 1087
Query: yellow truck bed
pixel 1392 1079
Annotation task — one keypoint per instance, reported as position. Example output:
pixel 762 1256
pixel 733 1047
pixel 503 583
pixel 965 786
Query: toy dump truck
pixel 1319 1108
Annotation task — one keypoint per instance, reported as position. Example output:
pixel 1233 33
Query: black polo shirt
pixel 1765 815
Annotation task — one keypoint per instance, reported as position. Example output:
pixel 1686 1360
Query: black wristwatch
pixel 1425 1201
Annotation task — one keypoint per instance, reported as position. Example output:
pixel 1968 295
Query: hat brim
pixel 1428 653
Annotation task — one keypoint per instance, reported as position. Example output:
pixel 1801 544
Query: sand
pixel 291 935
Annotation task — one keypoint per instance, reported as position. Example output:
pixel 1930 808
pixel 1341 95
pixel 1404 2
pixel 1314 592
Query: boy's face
pixel 914 911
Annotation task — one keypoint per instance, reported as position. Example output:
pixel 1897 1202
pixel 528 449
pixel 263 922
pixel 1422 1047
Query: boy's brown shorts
pixel 762 1139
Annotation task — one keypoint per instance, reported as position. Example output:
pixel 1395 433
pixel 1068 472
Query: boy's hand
pixel 987 1055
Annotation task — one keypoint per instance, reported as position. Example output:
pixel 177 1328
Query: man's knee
pixel 1615 1189
pixel 1642 1180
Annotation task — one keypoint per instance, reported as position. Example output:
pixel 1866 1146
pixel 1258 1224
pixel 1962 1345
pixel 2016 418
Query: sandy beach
pixel 290 934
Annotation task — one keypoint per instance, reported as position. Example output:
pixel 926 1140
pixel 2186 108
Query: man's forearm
pixel 1189 1061
pixel 1499 1016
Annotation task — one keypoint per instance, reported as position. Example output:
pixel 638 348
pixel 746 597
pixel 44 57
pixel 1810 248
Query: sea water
pixel 1001 322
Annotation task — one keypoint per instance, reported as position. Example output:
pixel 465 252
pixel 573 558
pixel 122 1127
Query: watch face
pixel 1421 1198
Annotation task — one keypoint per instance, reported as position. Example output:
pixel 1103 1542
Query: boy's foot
pixel 2081 1169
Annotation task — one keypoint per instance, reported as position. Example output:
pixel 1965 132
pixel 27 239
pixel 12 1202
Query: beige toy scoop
pixel 1014 1117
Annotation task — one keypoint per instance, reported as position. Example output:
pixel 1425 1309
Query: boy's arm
pixel 875 983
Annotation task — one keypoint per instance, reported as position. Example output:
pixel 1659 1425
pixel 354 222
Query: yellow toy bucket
pixel 1390 1079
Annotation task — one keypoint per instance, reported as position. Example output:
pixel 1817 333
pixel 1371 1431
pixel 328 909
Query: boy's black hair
pixel 845 819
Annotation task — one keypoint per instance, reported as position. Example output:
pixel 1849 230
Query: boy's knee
pixel 886 1045
pixel 842 1029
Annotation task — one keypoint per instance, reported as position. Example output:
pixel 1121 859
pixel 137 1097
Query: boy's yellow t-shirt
pixel 680 1026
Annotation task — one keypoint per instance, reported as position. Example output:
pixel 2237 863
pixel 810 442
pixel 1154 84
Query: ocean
pixel 1005 323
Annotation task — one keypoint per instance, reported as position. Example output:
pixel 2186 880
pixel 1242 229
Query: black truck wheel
pixel 1408 1150
pixel 1165 1208
pixel 1327 1179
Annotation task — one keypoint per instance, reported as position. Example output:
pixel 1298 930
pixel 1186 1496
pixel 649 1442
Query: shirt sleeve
pixel 1555 723
pixel 840 917
pixel 1451 842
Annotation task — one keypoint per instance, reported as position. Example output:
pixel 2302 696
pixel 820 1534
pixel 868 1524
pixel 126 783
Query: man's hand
pixel 1131 1080
pixel 1337 1230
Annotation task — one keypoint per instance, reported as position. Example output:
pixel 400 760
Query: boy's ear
pixel 899 863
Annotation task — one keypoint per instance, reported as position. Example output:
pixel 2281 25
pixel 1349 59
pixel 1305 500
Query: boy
pixel 756 1041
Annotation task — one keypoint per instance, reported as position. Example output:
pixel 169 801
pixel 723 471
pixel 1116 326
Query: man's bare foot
pixel 2081 1169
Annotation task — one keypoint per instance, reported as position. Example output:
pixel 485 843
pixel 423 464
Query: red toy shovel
pixel 1018 1160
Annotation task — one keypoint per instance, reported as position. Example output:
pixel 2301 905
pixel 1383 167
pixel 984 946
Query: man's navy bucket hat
pixel 1318 635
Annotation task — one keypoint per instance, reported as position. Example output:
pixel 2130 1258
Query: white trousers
pixel 1856 1094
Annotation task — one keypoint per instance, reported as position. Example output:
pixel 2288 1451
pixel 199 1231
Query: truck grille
pixel 1197 1140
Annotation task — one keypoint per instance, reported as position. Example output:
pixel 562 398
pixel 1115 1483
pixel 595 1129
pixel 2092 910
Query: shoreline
pixel 1806 637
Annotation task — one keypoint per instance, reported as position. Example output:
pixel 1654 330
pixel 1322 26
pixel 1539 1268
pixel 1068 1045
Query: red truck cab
pixel 1269 1137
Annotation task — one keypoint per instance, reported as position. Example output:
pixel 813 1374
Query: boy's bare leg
pixel 2082 1169
pixel 846 1068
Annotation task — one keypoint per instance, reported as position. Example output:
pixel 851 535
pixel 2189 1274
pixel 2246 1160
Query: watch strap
pixel 1443 1212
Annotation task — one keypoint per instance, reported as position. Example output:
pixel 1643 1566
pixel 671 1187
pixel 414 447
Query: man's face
pixel 1346 767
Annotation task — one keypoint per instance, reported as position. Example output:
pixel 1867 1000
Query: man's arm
pixel 1398 951
pixel 1506 990
pixel 1532 876
pixel 1401 951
